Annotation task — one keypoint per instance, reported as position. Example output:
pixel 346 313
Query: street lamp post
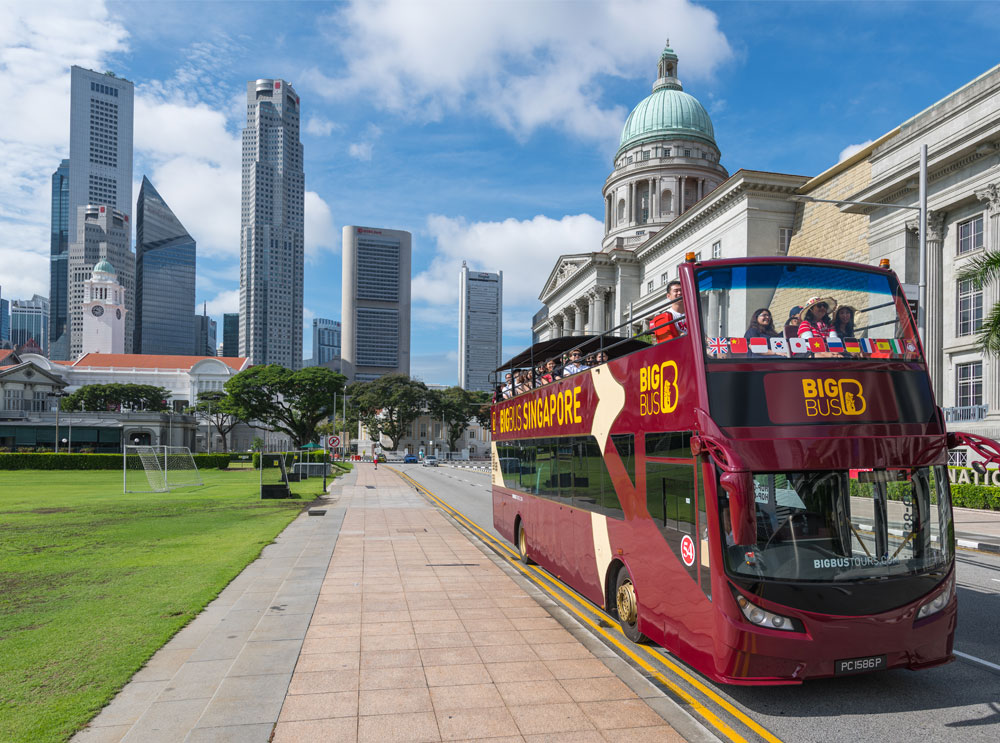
pixel 58 396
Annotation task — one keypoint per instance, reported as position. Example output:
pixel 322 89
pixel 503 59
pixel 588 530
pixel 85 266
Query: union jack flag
pixel 718 346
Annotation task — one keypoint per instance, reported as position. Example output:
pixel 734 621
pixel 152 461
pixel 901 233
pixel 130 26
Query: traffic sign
pixel 332 442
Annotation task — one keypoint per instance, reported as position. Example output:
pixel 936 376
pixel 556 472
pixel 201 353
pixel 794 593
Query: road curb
pixel 981 546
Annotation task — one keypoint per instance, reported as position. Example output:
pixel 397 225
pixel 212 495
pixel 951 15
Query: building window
pixel 645 154
pixel 649 287
pixel 970 308
pixel 969 387
pixel 664 278
pixel 970 235
pixel 784 240
pixel 717 249
pixel 697 256
pixel 957 458
pixel 687 153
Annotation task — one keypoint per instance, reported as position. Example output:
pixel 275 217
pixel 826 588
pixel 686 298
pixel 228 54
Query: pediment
pixel 29 373
pixel 565 269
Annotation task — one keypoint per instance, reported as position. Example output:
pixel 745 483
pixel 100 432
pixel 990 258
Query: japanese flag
pixel 798 345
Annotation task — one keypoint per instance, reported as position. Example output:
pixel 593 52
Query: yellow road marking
pixel 709 716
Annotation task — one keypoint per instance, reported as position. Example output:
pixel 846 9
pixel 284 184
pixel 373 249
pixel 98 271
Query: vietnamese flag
pixel 738 345
pixel 759 345
pixel 851 345
pixel 817 345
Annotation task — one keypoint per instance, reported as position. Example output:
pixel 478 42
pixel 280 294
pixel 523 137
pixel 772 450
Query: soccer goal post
pixel 157 469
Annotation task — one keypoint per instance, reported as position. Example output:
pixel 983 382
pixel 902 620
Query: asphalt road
pixel 957 702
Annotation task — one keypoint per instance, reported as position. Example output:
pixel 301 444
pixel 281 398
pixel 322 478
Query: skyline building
pixel 231 334
pixel 480 327
pixel 4 322
pixel 326 336
pixel 272 230
pixel 99 206
pixel 29 321
pixel 57 344
pixel 375 303
pixel 165 259
pixel 205 335
pixel 102 234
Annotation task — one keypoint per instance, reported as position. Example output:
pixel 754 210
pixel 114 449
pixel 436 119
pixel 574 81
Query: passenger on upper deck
pixel 507 391
pixel 674 316
pixel 815 317
pixel 843 322
pixel 574 365
pixel 523 383
pixel 792 324
pixel 551 372
pixel 761 325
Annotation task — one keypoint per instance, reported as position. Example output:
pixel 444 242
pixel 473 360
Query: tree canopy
pixel 292 402
pixel 984 270
pixel 217 407
pixel 388 405
pixel 456 407
pixel 117 397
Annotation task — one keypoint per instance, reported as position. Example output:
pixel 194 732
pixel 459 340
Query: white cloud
pixel 319 127
pixel 852 149
pixel 524 250
pixel 320 234
pixel 435 368
pixel 524 66
pixel 363 150
pixel 225 302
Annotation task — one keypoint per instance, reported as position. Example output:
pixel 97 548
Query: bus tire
pixel 522 544
pixel 627 607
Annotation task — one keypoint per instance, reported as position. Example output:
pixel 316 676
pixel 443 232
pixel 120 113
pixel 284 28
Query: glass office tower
pixel 29 321
pixel 231 334
pixel 164 278
pixel 58 341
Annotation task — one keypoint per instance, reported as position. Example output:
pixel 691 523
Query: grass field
pixel 93 582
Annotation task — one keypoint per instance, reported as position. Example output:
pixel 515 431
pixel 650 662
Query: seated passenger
pixel 537 376
pixel 551 372
pixel 523 383
pixel 815 317
pixel 602 357
pixel 761 325
pixel 674 316
pixel 574 365
pixel 843 321
pixel 792 324
pixel 508 388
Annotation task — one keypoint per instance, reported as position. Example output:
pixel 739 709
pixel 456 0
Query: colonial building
pixel 104 313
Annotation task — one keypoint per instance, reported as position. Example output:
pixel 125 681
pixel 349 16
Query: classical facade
pixel 103 311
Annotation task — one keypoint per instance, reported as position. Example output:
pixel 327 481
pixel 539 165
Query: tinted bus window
pixel 670 496
pixel 672 444
pixel 625 446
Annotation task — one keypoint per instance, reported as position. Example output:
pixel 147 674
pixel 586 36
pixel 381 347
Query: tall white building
pixel 375 303
pixel 325 341
pixel 271 237
pixel 103 312
pixel 480 327
pixel 100 175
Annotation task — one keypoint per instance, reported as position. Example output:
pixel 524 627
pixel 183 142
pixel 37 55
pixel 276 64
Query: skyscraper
pixel 4 323
pixel 375 302
pixel 271 238
pixel 480 320
pixel 29 321
pixel 205 334
pixel 231 334
pixel 57 344
pixel 325 340
pixel 100 191
pixel 164 278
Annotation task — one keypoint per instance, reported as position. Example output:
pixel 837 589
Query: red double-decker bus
pixel 770 504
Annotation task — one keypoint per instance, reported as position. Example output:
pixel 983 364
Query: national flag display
pixel 737 345
pixel 817 345
pixel 798 345
pixel 851 345
pixel 779 345
pixel 759 345
pixel 718 346
pixel 835 344
pixel 883 345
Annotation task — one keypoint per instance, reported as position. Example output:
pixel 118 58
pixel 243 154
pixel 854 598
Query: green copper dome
pixel 668 112
pixel 104 267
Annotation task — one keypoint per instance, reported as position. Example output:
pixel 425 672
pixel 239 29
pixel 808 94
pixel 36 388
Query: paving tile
pixel 219 645
pixel 327 662
pixel 330 645
pixel 409 727
pixel 577 736
pixel 108 734
pixel 427 627
pixel 661 734
pixel 269 656
pixel 196 681
pixel 130 703
pixel 320 682
pixel 457 675
pixel 390 658
pixel 517 693
pixel 501 654
pixel 467 696
pixel 478 722
pixel 319 706
pixel 351 634
pixel 561 651
pixel 389 701
pixel 633 713
pixel 443 640
pixel 259 733
pixel 540 636
pixel 577 668
pixel 524 670
pixel 386 628
pixel 340 730
pixel 597 689
pixel 287 627
pixel 166 721
pixel 506 638
pixel 449 656
pixel 389 642
pixel 539 719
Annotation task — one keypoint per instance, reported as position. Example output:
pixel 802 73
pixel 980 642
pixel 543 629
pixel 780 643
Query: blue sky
pixel 485 128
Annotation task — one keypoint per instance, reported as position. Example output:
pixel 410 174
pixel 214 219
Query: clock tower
pixel 103 311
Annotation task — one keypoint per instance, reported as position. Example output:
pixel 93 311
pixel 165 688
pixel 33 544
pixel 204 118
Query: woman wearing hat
pixel 815 317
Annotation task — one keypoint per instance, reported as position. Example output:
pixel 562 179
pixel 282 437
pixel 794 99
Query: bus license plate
pixel 859 665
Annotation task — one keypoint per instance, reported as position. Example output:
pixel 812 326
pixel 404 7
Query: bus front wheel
pixel 522 544
pixel 627 606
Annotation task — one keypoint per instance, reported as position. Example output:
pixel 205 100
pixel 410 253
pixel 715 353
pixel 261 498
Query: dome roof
pixel 668 112
pixel 104 267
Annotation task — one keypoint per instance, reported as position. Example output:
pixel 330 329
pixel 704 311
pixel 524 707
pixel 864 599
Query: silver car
pixel 430 461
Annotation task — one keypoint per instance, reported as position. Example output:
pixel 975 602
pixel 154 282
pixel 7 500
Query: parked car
pixel 410 459
pixel 430 461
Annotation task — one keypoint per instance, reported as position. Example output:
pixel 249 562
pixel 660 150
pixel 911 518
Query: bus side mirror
pixel 741 509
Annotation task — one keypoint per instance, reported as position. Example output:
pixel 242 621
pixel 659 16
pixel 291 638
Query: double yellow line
pixel 561 593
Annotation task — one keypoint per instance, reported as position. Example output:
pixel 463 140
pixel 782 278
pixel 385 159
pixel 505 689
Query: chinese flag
pixel 738 345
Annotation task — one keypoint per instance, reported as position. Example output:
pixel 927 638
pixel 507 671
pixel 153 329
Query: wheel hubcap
pixel 626 602
pixel 522 542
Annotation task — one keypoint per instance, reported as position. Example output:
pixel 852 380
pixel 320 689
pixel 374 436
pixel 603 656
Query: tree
pixel 216 407
pixel 292 402
pixel 983 270
pixel 456 407
pixel 388 405
pixel 104 397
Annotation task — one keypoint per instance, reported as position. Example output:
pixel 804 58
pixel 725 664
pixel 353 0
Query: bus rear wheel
pixel 522 544
pixel 627 607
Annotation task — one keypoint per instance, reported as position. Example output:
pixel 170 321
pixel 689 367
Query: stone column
pixel 597 318
pixel 701 189
pixel 654 199
pixel 578 325
pixel 680 194
pixel 590 312
pixel 991 294
pixel 558 320
pixel 934 340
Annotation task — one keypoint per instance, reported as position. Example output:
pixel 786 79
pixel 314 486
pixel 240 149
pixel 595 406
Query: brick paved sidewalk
pixel 419 636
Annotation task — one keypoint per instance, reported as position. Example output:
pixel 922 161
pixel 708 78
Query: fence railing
pixel 965 413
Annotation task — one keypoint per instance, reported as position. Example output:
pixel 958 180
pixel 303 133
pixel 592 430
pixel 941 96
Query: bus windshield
pixel 800 311
pixel 827 526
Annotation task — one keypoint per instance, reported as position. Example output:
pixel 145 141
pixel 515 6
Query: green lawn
pixel 93 582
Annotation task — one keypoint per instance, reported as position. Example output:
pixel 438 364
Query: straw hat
pixel 830 302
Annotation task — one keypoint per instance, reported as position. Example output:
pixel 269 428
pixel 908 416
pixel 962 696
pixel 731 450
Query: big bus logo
pixel 826 397
pixel 658 389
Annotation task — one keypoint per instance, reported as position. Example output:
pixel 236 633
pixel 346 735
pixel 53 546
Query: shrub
pixel 965 495
pixel 52 461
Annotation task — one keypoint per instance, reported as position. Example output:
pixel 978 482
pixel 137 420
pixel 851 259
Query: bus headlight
pixel 940 601
pixel 763 618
